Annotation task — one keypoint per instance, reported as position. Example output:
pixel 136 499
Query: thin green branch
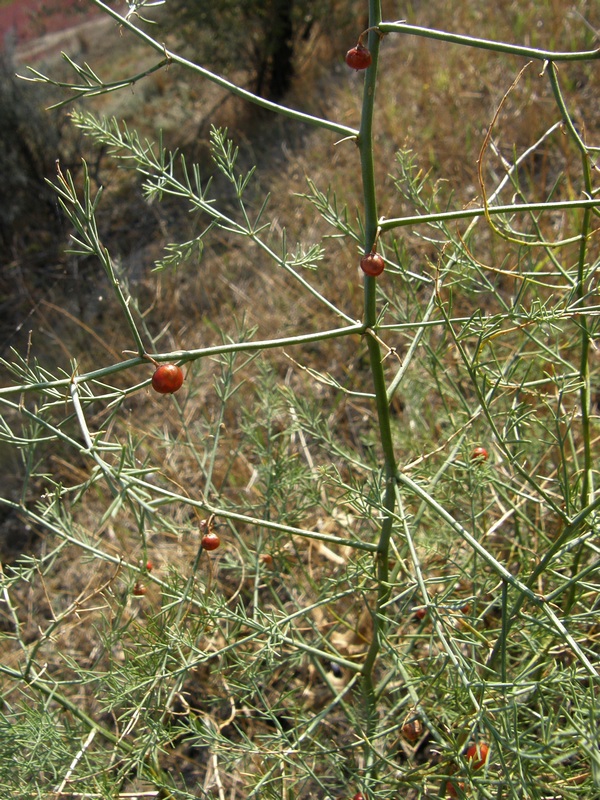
pixel 82 216
pixel 444 514
pixel 472 213
pixel 92 85
pixel 488 44
pixel 183 356
pixel 585 396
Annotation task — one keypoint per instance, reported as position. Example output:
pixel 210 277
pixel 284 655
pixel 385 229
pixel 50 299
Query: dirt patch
pixel 37 28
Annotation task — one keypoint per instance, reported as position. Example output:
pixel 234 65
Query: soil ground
pixel 36 28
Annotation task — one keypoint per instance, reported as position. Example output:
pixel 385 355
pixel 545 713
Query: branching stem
pixel 365 146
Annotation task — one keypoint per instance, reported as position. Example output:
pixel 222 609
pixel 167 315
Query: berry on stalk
pixel 167 379
pixel 372 264
pixel 210 541
pixel 358 57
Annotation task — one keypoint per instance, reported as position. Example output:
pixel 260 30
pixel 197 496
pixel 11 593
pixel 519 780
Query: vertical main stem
pixel 587 484
pixel 587 492
pixel 365 145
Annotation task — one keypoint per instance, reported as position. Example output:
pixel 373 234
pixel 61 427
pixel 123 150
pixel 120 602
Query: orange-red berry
pixel 451 790
pixel 479 454
pixel 372 264
pixel 358 57
pixel 477 754
pixel 167 379
pixel 210 541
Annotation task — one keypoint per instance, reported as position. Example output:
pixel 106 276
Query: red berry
pixel 149 566
pixel 451 790
pixel 421 613
pixel 479 454
pixel 412 731
pixel 477 754
pixel 359 796
pixel 372 264
pixel 167 379
pixel 210 541
pixel 267 559
pixel 139 590
pixel 358 57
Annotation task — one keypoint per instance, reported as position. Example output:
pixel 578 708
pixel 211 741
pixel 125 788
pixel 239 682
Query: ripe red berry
pixel 167 379
pixel 358 57
pixel 372 264
pixel 451 790
pixel 149 566
pixel 359 796
pixel 479 454
pixel 477 754
pixel 210 541
pixel 420 613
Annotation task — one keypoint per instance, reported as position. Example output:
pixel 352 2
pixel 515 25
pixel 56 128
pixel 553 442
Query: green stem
pixel 488 44
pixel 365 146
pixel 569 531
pixel 584 365
pixel 585 391
pixel 476 546
pixel 124 302
pixel 472 213
pixel 82 215
pixel 186 355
